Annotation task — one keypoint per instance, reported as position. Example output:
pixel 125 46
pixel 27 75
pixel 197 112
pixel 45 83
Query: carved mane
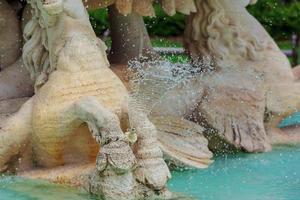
pixel 218 35
pixel 35 51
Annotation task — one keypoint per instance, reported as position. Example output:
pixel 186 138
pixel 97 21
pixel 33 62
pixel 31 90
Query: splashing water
pixel 150 80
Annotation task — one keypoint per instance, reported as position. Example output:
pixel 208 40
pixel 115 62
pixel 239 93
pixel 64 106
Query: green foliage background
pixel 280 17
pixel 99 20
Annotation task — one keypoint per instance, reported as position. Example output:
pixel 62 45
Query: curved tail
pixel 182 142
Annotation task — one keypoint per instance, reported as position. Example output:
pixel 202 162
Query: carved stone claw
pixel 153 172
pixel 117 156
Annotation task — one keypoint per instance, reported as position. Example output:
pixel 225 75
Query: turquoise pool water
pixel 12 188
pixel 291 120
pixel 269 176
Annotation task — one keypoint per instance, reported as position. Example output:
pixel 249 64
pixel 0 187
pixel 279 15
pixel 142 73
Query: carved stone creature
pixel 238 87
pixel 166 96
pixel 225 30
pixel 79 105
pixel 181 140
pixel 187 105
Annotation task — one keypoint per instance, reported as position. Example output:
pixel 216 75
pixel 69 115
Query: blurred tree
pixel 280 17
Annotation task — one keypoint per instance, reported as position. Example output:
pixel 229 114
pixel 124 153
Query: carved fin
pixel 182 141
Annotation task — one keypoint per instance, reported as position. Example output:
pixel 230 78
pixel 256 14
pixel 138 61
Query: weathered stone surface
pixel 234 107
pixel 10 34
pixel 289 135
pixel 14 79
pixel 79 105
pixel 296 72
pixel 225 31
pixel 73 175
pixel 15 82
pixel 167 100
pixel 230 92
pixel 11 106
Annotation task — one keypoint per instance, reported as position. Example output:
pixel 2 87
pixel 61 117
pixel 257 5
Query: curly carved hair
pixel 35 51
pixel 210 32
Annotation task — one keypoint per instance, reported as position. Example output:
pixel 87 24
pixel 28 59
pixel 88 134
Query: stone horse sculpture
pixel 79 105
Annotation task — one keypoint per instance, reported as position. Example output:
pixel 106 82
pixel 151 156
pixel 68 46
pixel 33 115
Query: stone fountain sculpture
pixel 181 140
pixel 240 84
pixel 237 39
pixel 227 96
pixel 232 96
pixel 74 111
pixel 15 81
pixel 79 105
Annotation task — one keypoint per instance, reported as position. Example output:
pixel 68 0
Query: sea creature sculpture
pixel 238 39
pixel 238 87
pixel 186 142
pixel 166 94
pixel 79 105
